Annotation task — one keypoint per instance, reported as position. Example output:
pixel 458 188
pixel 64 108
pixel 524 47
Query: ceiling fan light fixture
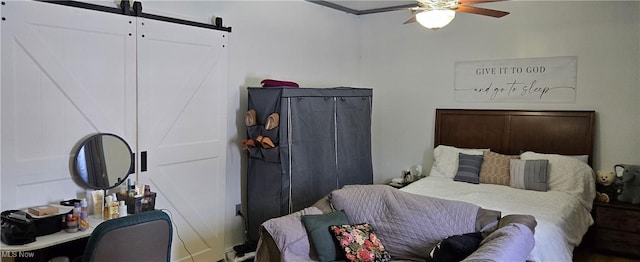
pixel 435 19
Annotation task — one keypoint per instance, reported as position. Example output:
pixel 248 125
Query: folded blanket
pixel 278 83
pixel 408 225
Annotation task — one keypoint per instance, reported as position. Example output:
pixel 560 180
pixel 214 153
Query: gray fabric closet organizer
pixel 323 142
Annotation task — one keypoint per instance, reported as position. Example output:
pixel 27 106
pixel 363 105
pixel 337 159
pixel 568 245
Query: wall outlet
pixel 238 209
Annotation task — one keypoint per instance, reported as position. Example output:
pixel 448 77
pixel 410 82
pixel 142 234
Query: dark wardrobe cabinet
pixel 322 142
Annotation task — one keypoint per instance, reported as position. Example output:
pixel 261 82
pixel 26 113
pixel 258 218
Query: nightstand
pixel 616 228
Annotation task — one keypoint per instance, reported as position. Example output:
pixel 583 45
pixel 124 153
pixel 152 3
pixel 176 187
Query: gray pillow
pixel 468 168
pixel 528 174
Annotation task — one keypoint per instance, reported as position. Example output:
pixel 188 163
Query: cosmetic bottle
pixel 130 188
pixel 98 203
pixel 107 207
pixel 139 189
pixel 76 210
pixel 122 209
pixel 83 205
pixel 89 198
pixel 83 223
pixel 72 224
pixel 115 209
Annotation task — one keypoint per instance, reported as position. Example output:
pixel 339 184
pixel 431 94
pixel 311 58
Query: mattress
pixel 562 218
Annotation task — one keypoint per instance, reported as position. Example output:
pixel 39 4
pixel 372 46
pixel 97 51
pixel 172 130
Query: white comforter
pixel 562 218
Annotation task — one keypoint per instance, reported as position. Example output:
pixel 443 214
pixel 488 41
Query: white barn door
pixel 70 72
pixel 63 78
pixel 182 114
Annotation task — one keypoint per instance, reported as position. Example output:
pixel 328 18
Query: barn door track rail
pixel 136 10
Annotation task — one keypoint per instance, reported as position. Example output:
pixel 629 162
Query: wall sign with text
pixel 549 79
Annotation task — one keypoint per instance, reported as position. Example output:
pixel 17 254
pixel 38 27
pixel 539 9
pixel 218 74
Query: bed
pixel 563 138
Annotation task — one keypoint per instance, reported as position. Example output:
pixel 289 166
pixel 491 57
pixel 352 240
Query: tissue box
pixel 140 203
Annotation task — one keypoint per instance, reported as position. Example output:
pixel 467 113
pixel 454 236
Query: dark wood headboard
pixel 514 131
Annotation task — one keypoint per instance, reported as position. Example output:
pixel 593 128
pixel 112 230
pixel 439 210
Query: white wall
pixel 411 71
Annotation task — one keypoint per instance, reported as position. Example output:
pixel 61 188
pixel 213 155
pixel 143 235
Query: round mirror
pixel 103 161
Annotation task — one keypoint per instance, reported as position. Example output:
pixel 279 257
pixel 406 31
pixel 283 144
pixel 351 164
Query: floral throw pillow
pixel 360 243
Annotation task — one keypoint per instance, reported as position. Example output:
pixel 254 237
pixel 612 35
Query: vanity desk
pixel 101 161
pixel 39 250
pixel 59 237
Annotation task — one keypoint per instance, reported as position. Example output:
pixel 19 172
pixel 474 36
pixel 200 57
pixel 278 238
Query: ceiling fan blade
pixel 471 2
pixel 411 20
pixel 481 11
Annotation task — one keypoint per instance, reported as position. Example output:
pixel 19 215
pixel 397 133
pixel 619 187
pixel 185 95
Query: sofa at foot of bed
pixel 381 223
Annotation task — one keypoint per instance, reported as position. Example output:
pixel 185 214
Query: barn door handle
pixel 143 161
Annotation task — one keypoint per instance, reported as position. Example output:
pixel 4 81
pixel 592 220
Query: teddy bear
pixel 605 178
pixel 631 184
pixel 607 185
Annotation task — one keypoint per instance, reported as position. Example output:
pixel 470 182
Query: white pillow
pixel 445 160
pixel 568 174
pixel 583 158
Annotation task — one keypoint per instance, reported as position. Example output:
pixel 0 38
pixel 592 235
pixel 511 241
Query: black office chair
pixel 145 236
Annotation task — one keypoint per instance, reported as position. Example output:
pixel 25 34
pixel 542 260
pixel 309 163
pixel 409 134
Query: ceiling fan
pixel 435 14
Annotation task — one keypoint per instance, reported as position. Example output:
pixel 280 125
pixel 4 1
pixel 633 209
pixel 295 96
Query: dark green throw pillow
pixel 318 229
